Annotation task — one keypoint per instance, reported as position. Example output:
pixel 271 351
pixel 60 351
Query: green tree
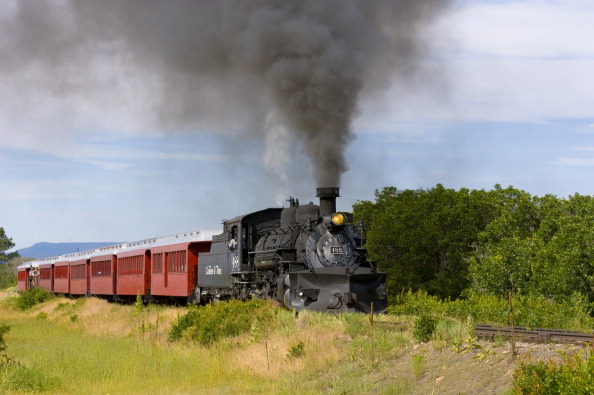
pixel 565 262
pixel 502 258
pixel 451 243
pixel 423 238
pixel 538 246
pixel 7 266
pixel 6 244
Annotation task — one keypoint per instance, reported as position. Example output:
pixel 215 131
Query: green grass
pixel 16 377
pixel 283 354
pixel 529 311
pixel 111 348
pixel 90 364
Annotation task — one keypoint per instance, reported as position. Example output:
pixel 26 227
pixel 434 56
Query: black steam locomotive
pixel 305 256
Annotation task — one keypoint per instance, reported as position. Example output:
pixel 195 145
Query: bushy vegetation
pixel 279 350
pixel 207 324
pixel 6 244
pixel 574 375
pixel 529 311
pixel 8 262
pixel 108 351
pixel 423 328
pixel 457 255
pixel 32 297
pixel 423 238
pixel 8 276
pixel 450 243
pixel 4 329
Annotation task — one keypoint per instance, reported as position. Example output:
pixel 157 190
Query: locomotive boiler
pixel 305 256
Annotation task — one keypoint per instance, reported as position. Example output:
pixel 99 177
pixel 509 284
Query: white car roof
pixel 183 237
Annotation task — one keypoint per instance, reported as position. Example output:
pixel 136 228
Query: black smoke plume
pixel 227 65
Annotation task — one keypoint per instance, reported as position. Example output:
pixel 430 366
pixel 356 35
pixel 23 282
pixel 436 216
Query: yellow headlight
pixel 338 219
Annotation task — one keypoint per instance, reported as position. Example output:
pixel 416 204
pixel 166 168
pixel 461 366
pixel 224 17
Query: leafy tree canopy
pixel 6 244
pixel 452 243
pixel 8 262
pixel 423 238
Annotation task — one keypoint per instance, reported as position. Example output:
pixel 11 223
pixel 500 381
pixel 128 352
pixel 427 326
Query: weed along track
pixel 534 335
pixel 89 345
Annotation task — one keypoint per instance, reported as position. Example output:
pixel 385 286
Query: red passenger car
pixel 103 272
pixel 133 272
pixel 173 271
pixel 62 277
pixel 79 276
pixel 46 276
pixel 163 267
pixel 22 274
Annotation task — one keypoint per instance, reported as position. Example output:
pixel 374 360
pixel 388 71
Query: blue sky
pixel 511 103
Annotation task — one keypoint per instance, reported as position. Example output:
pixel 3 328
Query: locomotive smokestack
pixel 327 200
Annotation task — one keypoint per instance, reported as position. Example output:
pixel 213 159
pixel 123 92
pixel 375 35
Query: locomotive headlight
pixel 338 219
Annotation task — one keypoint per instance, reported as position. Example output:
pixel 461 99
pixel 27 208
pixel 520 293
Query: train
pixel 306 257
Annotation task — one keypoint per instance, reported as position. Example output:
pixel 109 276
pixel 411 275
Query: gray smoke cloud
pixel 224 65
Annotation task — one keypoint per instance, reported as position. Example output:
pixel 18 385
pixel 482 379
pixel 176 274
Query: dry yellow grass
pixel 341 354
pixel 99 317
pixel 269 356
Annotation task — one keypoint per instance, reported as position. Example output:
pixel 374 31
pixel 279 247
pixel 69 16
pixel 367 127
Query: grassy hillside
pixel 92 346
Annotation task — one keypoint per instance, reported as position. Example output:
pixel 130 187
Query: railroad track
pixel 534 335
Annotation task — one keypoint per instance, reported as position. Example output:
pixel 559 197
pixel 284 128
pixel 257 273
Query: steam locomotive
pixel 305 256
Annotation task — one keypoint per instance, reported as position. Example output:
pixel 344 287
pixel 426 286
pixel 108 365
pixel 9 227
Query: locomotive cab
pixel 226 271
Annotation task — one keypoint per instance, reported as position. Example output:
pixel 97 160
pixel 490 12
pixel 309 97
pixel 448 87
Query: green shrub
pixel 8 276
pixel 529 311
pixel 415 303
pixel 207 324
pixel 575 375
pixel 297 350
pixel 423 328
pixel 4 329
pixel 418 365
pixel 42 316
pixel 138 304
pixel 32 297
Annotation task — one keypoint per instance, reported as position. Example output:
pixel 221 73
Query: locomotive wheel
pixel 283 287
pixel 287 299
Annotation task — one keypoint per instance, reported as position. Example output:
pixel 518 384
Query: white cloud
pixel 575 161
pixel 533 28
pixel 505 61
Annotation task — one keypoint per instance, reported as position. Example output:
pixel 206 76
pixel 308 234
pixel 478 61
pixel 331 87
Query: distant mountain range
pixel 45 250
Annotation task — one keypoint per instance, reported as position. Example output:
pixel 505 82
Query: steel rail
pixel 534 335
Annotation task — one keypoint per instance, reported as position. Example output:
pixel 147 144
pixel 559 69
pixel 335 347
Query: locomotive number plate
pixel 336 250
